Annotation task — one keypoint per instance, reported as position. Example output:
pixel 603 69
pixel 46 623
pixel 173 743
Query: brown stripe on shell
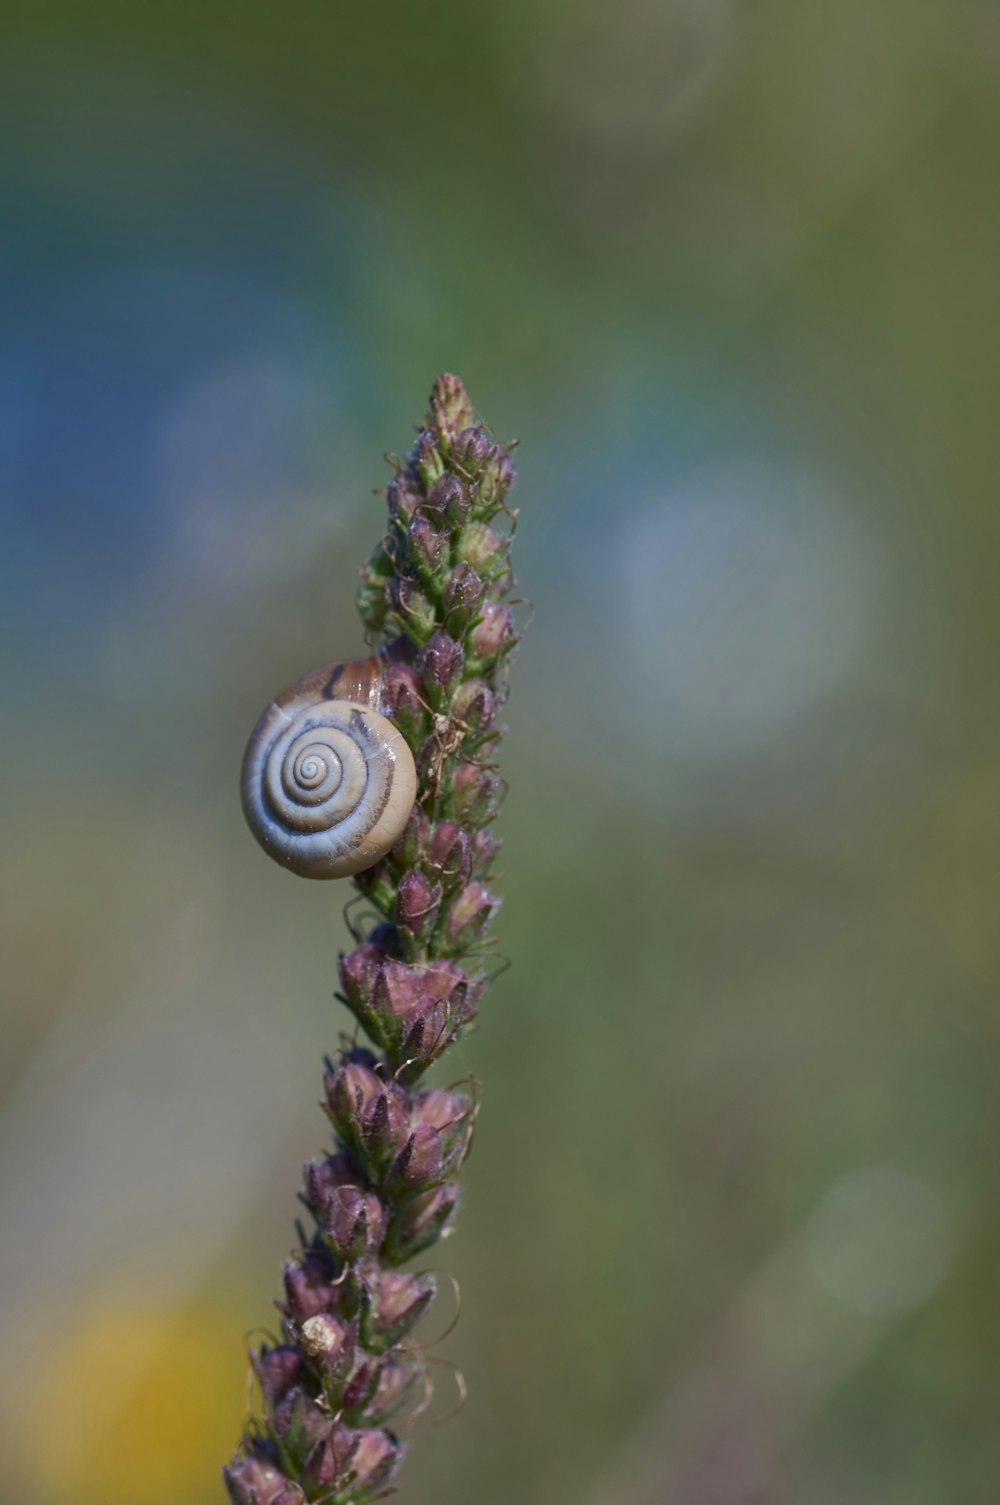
pixel 358 680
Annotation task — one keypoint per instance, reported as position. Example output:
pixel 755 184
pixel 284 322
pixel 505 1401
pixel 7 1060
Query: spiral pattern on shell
pixel 328 782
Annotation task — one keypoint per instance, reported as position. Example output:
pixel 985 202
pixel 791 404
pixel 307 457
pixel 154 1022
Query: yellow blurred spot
pixel 149 1406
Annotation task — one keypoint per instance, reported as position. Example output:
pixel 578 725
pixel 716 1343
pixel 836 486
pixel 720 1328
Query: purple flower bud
pixel 377 1388
pixel 426 1031
pixel 350 1087
pixel 422 1220
pixel 391 1389
pixel 417 902
pixel 449 498
pixel 449 854
pixel 399 987
pixel 416 614
pixel 362 1460
pixel 356 1395
pixel 470 914
pixel 462 596
pixel 440 661
pixel 427 544
pixel 451 411
pixel 350 1217
pixel 356 1223
pixel 310 1286
pixel 474 704
pixel 474 794
pixel 427 458
pixel 401 1301
pixel 403 496
pixel 277 1370
pixel 385 1125
pixel 422 1007
pixel 429 1028
pixel 472 449
pixel 319 1181
pixel 299 1421
pixel 358 972
pixel 402 695
pixel 375 1460
pixel 495 632
pixel 483 548
pixel 328 1465
pixel 418 1164
pixel 252 1481
pixel 421 984
pixel 450 1113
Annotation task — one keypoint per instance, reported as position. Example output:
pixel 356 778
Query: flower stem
pixel 339 1387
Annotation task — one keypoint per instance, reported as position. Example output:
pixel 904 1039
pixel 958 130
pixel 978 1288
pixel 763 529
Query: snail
pixel 328 783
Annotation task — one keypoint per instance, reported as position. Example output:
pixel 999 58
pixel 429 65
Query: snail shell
pixel 328 782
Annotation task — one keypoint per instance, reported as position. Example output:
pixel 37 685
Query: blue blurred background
pixel 729 272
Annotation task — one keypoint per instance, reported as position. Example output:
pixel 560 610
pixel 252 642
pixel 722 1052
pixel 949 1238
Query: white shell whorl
pixel 328 782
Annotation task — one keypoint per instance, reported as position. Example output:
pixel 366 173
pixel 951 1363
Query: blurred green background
pixel 729 272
